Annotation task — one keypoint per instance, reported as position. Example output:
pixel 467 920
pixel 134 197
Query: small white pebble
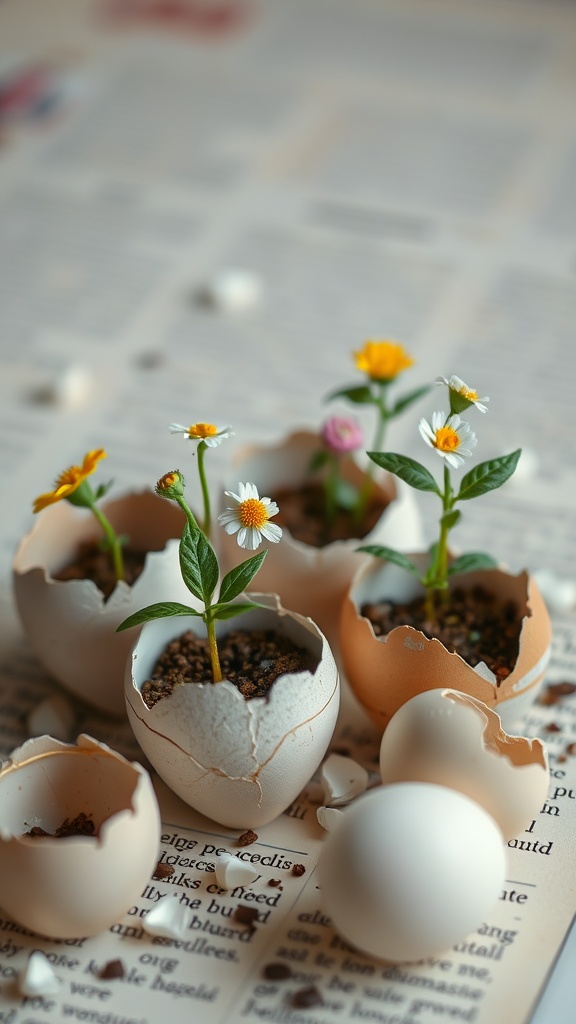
pixel 169 918
pixel 558 592
pixel 231 871
pixel 52 717
pixel 232 290
pixel 328 817
pixel 38 977
pixel 342 779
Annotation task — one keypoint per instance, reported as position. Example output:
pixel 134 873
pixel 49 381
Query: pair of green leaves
pixel 200 572
pixel 364 395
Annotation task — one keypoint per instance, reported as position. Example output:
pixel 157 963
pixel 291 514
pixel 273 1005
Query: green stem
pixel 438 573
pixel 378 444
pixel 209 621
pixel 205 492
pixel 330 489
pixel 112 541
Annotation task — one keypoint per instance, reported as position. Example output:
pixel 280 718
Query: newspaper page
pixel 372 169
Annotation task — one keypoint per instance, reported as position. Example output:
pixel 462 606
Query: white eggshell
pixel 454 740
pixel 70 627
pixel 169 918
pixel 342 779
pixel 80 885
pixel 309 580
pixel 231 871
pixel 239 762
pixel 38 977
pixel 410 869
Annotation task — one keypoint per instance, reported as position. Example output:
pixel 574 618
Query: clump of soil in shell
pixel 471 623
pixel 81 825
pixel 93 563
pixel 303 513
pixel 251 660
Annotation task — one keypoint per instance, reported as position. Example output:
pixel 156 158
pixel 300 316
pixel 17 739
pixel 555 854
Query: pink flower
pixel 341 434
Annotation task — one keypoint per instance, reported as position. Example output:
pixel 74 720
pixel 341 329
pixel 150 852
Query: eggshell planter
pixel 310 580
pixel 79 885
pixel 70 627
pixel 386 672
pixel 239 762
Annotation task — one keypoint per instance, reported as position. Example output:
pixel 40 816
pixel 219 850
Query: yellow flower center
pixel 252 512
pixel 166 481
pixel 382 360
pixel 447 439
pixel 71 477
pixel 202 430
pixel 468 393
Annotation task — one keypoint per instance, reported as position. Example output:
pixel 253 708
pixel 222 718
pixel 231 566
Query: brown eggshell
pixel 239 762
pixel 384 673
pixel 78 885
pixel 309 580
pixel 71 628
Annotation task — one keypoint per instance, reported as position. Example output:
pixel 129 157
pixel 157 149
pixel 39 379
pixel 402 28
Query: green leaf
pixel 449 519
pixel 198 564
pixel 359 395
pixel 405 400
pixel 412 472
pixel 488 476
pixel 238 578
pixel 156 611
pixel 390 555
pixel 471 562
pixel 319 459
pixel 229 611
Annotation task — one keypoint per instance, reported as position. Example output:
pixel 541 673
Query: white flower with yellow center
pixel 207 432
pixel 249 517
pixel 453 439
pixel 468 395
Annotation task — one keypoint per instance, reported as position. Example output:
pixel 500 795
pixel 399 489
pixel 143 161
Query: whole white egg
pixel 410 869
pixel 452 739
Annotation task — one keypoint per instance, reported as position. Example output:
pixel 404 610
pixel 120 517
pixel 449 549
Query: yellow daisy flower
pixel 70 480
pixel 382 360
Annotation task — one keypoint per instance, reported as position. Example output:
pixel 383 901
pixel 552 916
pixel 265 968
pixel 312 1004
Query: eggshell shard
pixel 410 869
pixel 169 919
pixel 310 580
pixel 38 977
pixel 231 871
pixel 386 672
pixel 70 627
pixel 452 739
pixel 240 762
pixel 75 886
pixel 342 779
pixel 327 817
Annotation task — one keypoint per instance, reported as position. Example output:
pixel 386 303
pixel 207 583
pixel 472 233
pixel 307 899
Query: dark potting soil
pixel 81 825
pixel 303 513
pixel 471 623
pixel 251 660
pixel 92 563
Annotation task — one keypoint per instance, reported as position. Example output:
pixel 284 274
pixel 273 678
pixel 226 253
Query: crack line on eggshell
pixel 299 726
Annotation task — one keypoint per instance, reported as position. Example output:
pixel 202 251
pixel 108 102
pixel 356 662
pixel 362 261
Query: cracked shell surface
pixel 239 762
pixel 79 885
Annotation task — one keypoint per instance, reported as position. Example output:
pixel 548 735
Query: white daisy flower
pixel 468 396
pixel 249 517
pixel 207 432
pixel 452 438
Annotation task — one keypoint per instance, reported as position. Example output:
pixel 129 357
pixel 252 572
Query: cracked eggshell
pixel 384 673
pixel 454 740
pixel 80 885
pixel 309 580
pixel 70 627
pixel 239 762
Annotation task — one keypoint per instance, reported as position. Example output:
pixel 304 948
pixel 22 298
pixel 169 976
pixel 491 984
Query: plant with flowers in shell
pixel 453 440
pixel 249 518
pixel 72 485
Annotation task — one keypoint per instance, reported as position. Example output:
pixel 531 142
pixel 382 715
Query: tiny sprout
pixel 200 569
pixel 453 440
pixel 72 485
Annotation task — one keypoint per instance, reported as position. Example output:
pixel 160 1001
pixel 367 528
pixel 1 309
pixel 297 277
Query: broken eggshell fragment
pixel 78 885
pixel 454 740
pixel 240 762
